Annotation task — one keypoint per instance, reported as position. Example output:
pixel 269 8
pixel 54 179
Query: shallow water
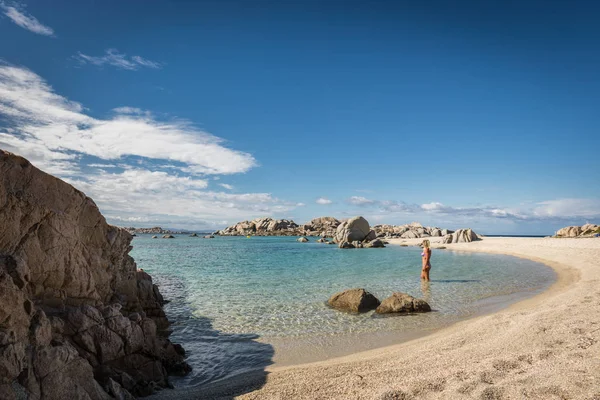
pixel 228 292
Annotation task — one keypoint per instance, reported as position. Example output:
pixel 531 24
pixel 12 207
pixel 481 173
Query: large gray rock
pixel 354 300
pixel 58 254
pixel 461 236
pixel 578 231
pixel 402 303
pixel 377 243
pixel 354 229
pixel 410 234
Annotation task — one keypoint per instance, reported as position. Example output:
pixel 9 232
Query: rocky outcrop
pixel 262 227
pixel 402 303
pixel 154 230
pixel 377 243
pixel 461 236
pixel 77 318
pixel 587 230
pixel 168 237
pixel 356 228
pixel 353 300
pixel 322 226
pixel 413 230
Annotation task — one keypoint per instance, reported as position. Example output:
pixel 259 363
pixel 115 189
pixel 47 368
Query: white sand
pixel 546 347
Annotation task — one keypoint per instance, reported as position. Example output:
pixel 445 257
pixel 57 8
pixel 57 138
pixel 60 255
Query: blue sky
pixel 200 114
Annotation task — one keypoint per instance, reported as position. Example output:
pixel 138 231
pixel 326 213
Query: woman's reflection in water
pixel 426 290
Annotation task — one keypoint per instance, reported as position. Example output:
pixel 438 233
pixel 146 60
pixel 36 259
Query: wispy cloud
pixel 360 201
pixel 50 128
pixel 29 22
pixel 226 186
pixel 136 168
pixel 113 58
pixel 551 210
pixel 323 201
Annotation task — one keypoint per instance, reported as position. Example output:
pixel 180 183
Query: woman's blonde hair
pixel 425 243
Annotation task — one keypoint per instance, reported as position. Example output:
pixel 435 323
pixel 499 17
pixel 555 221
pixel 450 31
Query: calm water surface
pixel 237 304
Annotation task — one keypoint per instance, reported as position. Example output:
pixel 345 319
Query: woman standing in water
pixel 426 258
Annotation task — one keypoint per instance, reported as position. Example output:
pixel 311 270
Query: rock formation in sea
pixel 353 300
pixel 413 230
pixel 78 320
pixel 587 230
pixel 347 234
pixel 154 230
pixel 402 303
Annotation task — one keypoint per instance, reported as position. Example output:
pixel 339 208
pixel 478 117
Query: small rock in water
pixel 402 303
pixel 208 237
pixel 168 237
pixel 154 237
pixel 377 243
pixel 303 239
pixel 355 300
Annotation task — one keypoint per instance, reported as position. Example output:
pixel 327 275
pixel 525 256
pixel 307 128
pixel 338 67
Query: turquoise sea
pixel 240 304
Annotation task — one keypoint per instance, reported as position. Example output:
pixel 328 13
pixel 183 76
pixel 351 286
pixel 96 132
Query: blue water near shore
pixel 235 301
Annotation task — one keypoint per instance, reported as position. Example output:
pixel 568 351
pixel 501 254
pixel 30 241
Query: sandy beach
pixel 544 347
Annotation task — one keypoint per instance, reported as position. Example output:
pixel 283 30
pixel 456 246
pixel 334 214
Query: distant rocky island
pixel 157 230
pixel 353 232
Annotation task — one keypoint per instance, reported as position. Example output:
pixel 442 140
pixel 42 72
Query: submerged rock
pixel 355 300
pixel 402 303
pixel 302 239
pixel 208 237
pixel 168 237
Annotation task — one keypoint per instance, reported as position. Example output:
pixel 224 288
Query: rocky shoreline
pixel 349 233
pixel 78 319
pixel 157 230
pixel 587 230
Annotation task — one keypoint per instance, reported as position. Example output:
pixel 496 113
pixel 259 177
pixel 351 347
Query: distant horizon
pixel 204 230
pixel 202 114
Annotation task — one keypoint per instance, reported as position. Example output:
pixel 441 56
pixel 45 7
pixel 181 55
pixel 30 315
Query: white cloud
pixel 102 166
pixel 25 21
pixel 584 208
pixel 159 170
pixel 559 210
pixel 118 60
pixel 226 186
pixel 360 201
pixel 146 63
pixel 48 128
pixel 158 196
pixel 323 201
